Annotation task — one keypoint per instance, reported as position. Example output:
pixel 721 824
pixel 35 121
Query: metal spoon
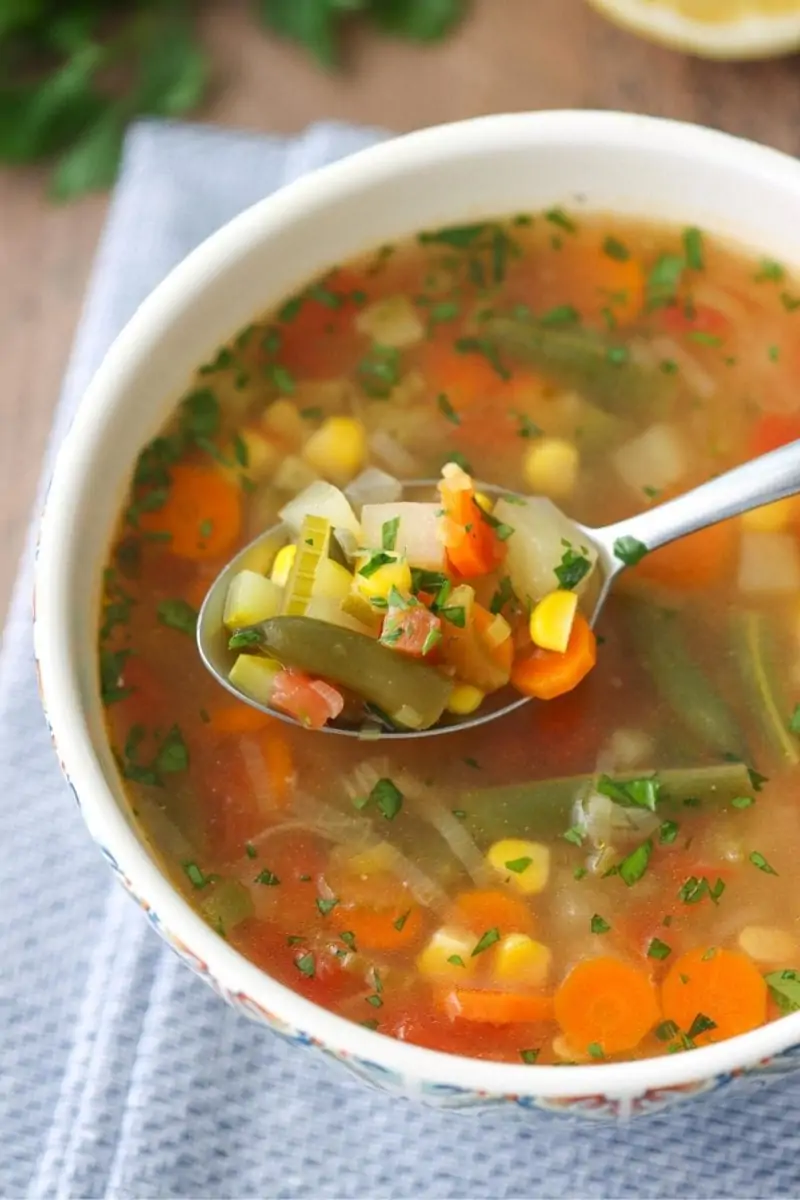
pixel 761 481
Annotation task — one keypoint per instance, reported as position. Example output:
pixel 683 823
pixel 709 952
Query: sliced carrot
pixel 772 431
pixel 723 986
pixel 692 562
pixel 607 1003
pixel 202 513
pixel 381 929
pixel 618 285
pixel 491 909
pixel 496 1008
pixel 277 751
pixel 237 718
pixel 546 674
pixel 468 651
pixel 320 322
pixel 464 378
pixel 472 545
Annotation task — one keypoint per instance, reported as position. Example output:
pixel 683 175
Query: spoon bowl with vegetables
pixel 358 616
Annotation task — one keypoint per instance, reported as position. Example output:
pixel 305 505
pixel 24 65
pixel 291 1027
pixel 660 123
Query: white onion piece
pixel 389 451
pixel 606 822
pixel 655 458
pixel 392 321
pixel 418 533
pixel 769 564
pixel 629 748
pixel 536 547
pixel 321 499
pixel 694 374
pixel 373 486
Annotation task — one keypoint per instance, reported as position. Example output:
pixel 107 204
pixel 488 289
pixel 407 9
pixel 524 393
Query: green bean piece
pixel 411 694
pixel 680 681
pixel 579 358
pixel 545 807
pixel 756 656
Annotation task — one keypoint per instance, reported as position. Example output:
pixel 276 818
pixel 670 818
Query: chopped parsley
pixel 379 371
pixel 267 877
pixel 456 614
pixel 573 568
pixel 634 793
pixel 473 762
pixel 794 720
pixel 526 428
pixel 557 216
pixel 389 533
pixel 742 801
pixel 693 248
pixel 401 920
pixel 529 1056
pixel 306 964
pixel 388 798
pixel 326 906
pixel 701 1024
pixel 598 924
pixel 770 271
pixel 758 860
pixel 666 1031
pixel 694 889
pixel 196 877
pixel 374 563
pixel 664 280
pixel 503 596
pixel 250 850
pixel 784 988
pixel 616 249
pixel 658 949
pixel 111 666
pixel 575 835
pixel 667 832
pixel 629 550
pixel 595 1050
pixel 633 867
pixel 562 314
pixel 518 865
pixel 245 637
pixel 446 409
pixel 486 940
pixel 456 960
pixel 477 345
pixel 178 614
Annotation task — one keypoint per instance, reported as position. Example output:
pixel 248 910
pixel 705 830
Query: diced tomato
pixel 694 318
pixel 772 431
pixel 312 701
pixel 412 630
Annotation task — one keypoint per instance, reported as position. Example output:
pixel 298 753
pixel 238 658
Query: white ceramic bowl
pixel 456 173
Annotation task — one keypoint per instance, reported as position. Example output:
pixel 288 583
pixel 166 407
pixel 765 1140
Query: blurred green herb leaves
pixel 73 73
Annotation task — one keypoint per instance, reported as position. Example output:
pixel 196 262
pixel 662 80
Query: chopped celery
pixel 251 598
pixel 226 903
pixel 312 549
pixel 756 655
pixel 546 806
pixel 409 692
pixel 254 675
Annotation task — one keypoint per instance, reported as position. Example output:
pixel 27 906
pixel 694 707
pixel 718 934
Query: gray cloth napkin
pixel 121 1074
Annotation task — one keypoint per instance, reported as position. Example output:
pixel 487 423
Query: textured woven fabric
pixel 121 1074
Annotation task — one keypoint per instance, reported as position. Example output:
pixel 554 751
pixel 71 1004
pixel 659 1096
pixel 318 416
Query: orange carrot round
pixel 202 513
pixel 381 929
pixel 618 285
pixel 723 986
pixel 237 718
pixel 693 562
pixel 277 751
pixel 494 909
pixel 545 674
pixel 496 1008
pixel 607 1003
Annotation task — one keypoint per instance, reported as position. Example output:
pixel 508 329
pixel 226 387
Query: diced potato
pixel 519 959
pixel 527 877
pixel 767 944
pixel 360 609
pixel 551 620
pixel 332 581
pixel 321 499
pixel 282 566
pixel 465 699
pixel 536 547
pixel 771 518
pixel 281 418
pixel 379 583
pixel 654 459
pixel 373 486
pixel 392 321
pixel 550 467
pixel 251 598
pixel 337 449
pixel 293 474
pixel 448 956
pixel 769 564
pixel 417 537
pixel 254 675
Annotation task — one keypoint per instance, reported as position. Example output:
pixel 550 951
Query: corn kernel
pixel 448 955
pixel 526 876
pixel 282 566
pixel 551 467
pixel 483 501
pixel 551 620
pixel 282 419
pixel 771 518
pixel 518 959
pixel 395 574
pixel 337 449
pixel 465 699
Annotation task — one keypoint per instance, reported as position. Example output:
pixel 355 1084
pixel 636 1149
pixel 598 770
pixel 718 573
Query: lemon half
pixel 734 29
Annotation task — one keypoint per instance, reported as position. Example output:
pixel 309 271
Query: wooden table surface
pixel 509 55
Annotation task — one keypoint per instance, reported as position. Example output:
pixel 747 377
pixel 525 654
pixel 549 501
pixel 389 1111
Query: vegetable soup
pixel 604 873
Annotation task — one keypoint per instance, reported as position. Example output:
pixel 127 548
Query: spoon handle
pixel 760 481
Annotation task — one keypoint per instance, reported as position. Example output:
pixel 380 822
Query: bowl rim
pixel 59 541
